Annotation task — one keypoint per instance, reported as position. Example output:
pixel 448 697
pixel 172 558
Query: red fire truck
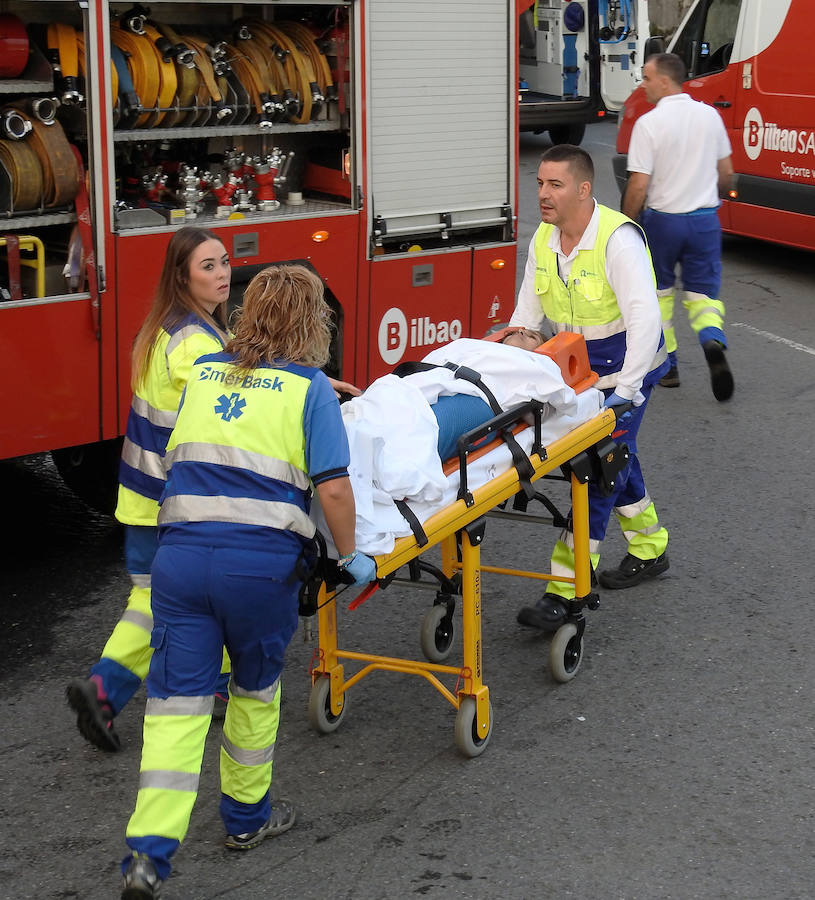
pixel 375 141
pixel 752 61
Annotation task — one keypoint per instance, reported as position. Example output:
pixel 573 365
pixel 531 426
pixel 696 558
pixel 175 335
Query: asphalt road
pixel 676 765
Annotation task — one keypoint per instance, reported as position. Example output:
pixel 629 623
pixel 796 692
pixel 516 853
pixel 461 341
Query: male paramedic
pixel 589 271
pixel 679 164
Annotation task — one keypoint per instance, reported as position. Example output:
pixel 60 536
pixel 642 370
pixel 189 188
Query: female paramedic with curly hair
pixel 259 425
pixel 186 320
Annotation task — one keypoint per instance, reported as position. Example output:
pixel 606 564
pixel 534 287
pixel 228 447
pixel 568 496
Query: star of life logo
pixel 230 407
pixel 758 135
pixel 396 334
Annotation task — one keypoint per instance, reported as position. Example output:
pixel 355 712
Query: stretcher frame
pixel 582 453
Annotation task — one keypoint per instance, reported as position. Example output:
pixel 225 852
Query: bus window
pixel 706 40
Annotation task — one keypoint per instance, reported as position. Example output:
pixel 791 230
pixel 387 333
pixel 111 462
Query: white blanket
pixel 393 433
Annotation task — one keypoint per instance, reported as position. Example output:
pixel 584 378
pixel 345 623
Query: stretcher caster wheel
pixel 437 633
pixel 320 716
pixel 565 653
pixel 467 739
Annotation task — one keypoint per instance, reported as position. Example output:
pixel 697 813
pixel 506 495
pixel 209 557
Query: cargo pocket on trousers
pixel 157 675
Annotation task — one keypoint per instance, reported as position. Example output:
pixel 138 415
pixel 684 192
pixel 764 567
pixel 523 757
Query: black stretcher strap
pixel 412 520
pixel 519 459
pixel 468 374
pixel 501 425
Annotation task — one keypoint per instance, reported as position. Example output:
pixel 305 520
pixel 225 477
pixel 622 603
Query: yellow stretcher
pixel 585 454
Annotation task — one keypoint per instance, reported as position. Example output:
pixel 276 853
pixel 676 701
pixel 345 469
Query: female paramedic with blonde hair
pixel 186 320
pixel 258 426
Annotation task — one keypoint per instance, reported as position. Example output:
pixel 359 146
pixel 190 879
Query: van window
pixel 706 41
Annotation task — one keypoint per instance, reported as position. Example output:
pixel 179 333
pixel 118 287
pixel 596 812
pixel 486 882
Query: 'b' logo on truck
pixel 753 134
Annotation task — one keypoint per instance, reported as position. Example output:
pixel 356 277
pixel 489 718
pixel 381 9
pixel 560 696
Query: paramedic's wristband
pixel 343 561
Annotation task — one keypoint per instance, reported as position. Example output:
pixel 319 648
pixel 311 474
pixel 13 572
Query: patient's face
pixel 525 338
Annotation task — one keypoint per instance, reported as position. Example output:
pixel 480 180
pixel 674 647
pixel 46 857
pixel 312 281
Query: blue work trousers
pixel 205 598
pixel 692 241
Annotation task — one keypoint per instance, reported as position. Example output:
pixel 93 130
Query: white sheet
pixel 393 433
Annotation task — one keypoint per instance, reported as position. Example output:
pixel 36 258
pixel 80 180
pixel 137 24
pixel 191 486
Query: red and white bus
pixel 753 61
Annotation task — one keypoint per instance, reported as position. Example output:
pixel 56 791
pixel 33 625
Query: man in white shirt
pixel 588 272
pixel 679 163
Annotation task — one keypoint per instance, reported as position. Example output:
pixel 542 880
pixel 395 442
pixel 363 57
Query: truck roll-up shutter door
pixel 440 135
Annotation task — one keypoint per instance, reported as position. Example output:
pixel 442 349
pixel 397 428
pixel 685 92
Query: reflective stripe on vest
pixel 146 461
pixel 163 418
pixel 241 459
pixel 238 510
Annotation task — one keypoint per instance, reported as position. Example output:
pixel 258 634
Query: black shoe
pixel 721 378
pixel 94 717
pixel 547 613
pixel 670 378
pixel 632 570
pixel 281 819
pixel 141 881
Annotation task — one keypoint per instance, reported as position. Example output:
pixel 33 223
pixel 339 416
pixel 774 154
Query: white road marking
pixel 773 337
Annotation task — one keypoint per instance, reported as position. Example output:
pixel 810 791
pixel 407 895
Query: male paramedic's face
pixel 652 83
pixel 210 274
pixel 560 194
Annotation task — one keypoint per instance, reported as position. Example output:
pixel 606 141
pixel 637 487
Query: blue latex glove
pixel 361 568
pixel 615 399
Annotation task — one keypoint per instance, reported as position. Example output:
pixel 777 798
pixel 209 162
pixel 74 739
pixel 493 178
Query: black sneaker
pixel 94 717
pixel 281 819
pixel 632 570
pixel 721 378
pixel 670 378
pixel 547 613
pixel 141 881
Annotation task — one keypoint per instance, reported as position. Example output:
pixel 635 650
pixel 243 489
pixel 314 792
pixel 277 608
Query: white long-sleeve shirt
pixel 629 274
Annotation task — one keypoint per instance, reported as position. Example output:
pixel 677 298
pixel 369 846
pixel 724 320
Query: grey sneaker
pixel 141 881
pixel 281 819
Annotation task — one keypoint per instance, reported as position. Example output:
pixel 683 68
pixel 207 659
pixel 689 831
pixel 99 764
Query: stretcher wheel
pixel 467 739
pixel 438 631
pixel 320 716
pixel 565 653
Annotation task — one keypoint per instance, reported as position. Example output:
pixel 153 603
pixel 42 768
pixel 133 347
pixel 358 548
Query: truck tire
pixel 567 134
pixel 91 471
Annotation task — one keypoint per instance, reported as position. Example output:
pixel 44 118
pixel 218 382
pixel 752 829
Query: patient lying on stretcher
pixel 402 429
pixel 457 414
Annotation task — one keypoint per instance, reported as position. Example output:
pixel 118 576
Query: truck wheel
pixel 567 134
pixel 91 471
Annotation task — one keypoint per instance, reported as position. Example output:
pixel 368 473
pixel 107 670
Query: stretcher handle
pixel 365 594
pixel 621 409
